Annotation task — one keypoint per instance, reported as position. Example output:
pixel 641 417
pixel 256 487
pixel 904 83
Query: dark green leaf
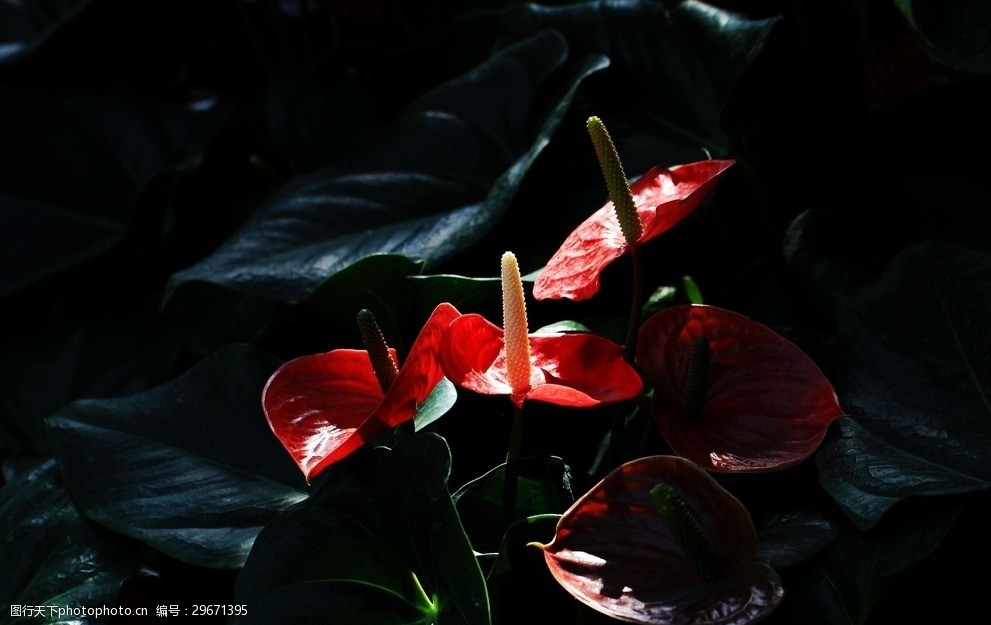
pixel 379 283
pixel 520 573
pixel 867 473
pixel 692 291
pixel 441 175
pixel 51 555
pixel 565 325
pixel 789 538
pixel 437 404
pixel 69 239
pixel 380 535
pixel 662 297
pixel 962 217
pixel 516 546
pixel 675 68
pixel 104 357
pixel 543 486
pixel 828 254
pixel 26 25
pixel 918 384
pixel 313 123
pixel 687 292
pixel 958 31
pixel 847 578
pixel 465 294
pixel 70 200
pixel 189 467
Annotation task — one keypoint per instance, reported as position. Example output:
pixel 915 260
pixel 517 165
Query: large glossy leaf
pixel 312 122
pixel 104 357
pixel 917 384
pixel 958 31
pixel 379 283
pixel 189 467
pixel 463 292
pixel 440 176
pixel 543 486
pixel 844 582
pixel 51 555
pixel 27 24
pixel 676 67
pixel 437 404
pixel 789 538
pixel 615 553
pixel 66 201
pixel 520 573
pixel 829 256
pixel 379 542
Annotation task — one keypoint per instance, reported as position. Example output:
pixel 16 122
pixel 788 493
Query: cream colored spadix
pixel 516 339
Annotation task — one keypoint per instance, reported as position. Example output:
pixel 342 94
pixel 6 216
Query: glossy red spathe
pixel 613 551
pixel 579 370
pixel 767 406
pixel 323 407
pixel 663 198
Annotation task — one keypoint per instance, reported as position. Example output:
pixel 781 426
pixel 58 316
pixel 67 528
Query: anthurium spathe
pixel 662 196
pixel 568 369
pixel 731 394
pixel 659 541
pixel 323 407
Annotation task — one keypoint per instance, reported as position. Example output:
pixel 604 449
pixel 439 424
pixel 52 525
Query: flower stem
pixel 516 437
pixel 629 352
pixel 636 306
pixel 512 464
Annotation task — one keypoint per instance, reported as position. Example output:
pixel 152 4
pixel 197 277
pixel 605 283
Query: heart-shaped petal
pixel 323 407
pixel 663 198
pixel 767 405
pixel 567 369
pixel 613 551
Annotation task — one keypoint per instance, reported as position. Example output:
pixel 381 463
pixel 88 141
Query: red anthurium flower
pixel 731 394
pixel 579 369
pixel 659 541
pixel 324 406
pixel 663 197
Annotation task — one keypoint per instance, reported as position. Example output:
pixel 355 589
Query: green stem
pixel 516 437
pixel 512 464
pixel 636 306
pixel 261 54
pixel 630 353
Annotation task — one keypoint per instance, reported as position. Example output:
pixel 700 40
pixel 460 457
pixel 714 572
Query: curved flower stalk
pixel 323 407
pixel 566 369
pixel 658 540
pixel 662 197
pixel 731 394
